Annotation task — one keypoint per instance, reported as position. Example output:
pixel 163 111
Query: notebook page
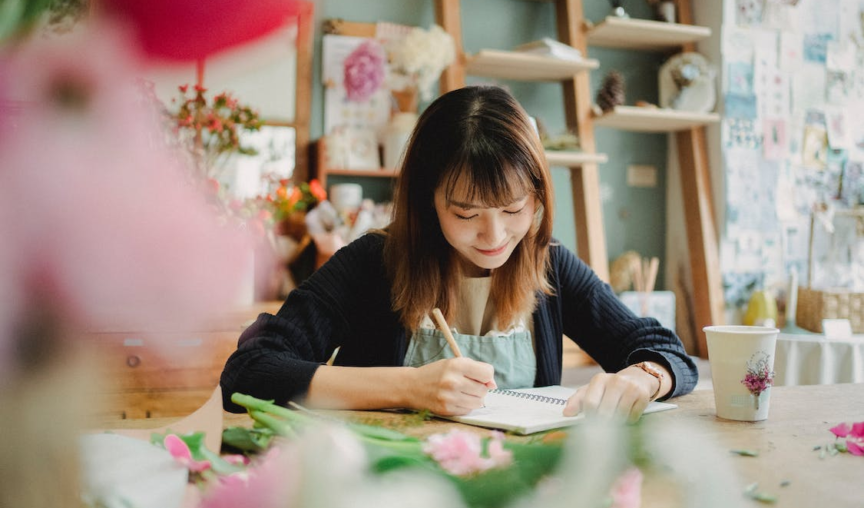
pixel 527 416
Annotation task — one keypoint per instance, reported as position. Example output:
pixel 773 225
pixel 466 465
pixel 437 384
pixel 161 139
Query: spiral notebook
pixel 530 410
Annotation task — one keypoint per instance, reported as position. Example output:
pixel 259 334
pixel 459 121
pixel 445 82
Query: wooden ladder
pixel 585 183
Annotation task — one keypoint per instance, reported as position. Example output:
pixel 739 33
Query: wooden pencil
pixel 438 317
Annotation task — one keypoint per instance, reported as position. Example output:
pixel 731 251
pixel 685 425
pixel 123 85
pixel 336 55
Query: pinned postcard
pixel 740 133
pixel 748 12
pixel 814 150
pixel 840 56
pixel 740 106
pixel 808 87
pixel 816 47
pixel 774 140
pixel 791 51
pixel 775 100
pixel 838 85
pixel 740 78
pixel 839 137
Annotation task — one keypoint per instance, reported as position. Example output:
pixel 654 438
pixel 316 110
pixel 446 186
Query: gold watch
pixel 655 371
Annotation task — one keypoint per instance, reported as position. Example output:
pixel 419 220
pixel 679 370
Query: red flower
pixel 191 29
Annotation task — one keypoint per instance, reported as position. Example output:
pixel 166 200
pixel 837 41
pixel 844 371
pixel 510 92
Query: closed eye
pixel 463 217
pixel 517 212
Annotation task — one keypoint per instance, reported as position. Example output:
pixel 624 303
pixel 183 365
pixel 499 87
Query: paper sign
pixel 837 328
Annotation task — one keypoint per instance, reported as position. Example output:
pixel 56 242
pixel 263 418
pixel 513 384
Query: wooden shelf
pixel 518 66
pixel 643 34
pixel 378 173
pixel 571 158
pixel 632 118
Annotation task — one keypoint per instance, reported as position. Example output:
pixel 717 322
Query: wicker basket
pixel 814 305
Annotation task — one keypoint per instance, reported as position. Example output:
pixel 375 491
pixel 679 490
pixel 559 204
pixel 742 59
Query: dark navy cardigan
pixel 347 303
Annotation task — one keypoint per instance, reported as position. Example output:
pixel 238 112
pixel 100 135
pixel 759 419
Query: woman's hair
pixel 481 138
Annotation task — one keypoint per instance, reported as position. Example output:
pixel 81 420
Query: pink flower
pixel 269 482
pixel 841 430
pixel 854 435
pixel 99 224
pixel 854 448
pixel 460 452
pixel 180 451
pixel 364 71
pixel 627 490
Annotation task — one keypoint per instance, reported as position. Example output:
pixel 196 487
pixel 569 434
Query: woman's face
pixel 484 237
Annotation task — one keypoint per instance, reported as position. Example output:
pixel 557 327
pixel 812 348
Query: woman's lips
pixel 493 252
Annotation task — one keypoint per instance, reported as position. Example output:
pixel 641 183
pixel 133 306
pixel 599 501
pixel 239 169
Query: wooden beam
pixel 303 93
pixel 585 179
pixel 448 16
pixel 338 26
pixel 700 218
pixel 701 233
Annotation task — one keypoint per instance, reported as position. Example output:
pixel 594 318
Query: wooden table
pixel 799 419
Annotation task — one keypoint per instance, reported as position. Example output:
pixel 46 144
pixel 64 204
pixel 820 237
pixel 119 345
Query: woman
pixel 471 235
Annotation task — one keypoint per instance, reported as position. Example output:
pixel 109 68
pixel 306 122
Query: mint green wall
pixel 634 218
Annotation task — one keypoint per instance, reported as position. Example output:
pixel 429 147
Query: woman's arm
pixel 617 339
pixel 446 387
pixel 339 305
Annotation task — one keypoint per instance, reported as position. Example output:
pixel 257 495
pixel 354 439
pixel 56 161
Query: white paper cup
pixel 742 370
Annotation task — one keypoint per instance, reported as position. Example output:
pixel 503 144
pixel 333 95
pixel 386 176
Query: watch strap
pixel 651 369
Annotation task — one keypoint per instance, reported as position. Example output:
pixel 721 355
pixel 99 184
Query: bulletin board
pixel 793 132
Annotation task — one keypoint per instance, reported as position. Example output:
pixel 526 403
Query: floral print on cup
pixel 759 375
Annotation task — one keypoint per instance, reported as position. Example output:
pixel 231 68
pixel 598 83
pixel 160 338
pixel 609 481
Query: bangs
pixel 487 180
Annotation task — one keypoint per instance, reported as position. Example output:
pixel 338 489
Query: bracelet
pixel 651 369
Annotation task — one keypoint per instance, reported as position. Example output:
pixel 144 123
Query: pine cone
pixel 611 93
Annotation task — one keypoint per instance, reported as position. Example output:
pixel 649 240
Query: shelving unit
pixel 323 169
pixel 634 34
pixel 573 159
pixel 638 119
pixel 555 158
pixel 644 34
pixel 492 63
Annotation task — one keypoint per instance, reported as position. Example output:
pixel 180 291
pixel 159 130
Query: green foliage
pixel 389 450
pixel 17 17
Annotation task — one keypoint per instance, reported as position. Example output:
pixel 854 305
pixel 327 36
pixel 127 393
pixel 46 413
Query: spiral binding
pixel 531 396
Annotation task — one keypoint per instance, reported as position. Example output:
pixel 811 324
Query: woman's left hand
pixel 625 394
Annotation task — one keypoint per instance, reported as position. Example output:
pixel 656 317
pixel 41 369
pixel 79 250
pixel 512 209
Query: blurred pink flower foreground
pixel 461 453
pixel 97 218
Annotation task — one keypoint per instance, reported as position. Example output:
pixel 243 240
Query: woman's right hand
pixel 455 386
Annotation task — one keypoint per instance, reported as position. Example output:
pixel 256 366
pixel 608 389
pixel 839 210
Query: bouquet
pixel 212 128
pixel 419 59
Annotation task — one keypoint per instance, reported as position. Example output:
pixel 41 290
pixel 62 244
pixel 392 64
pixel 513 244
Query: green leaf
pixel 218 464
pixel 394 462
pixel 752 492
pixel 745 453
pixel 252 440
pixel 381 433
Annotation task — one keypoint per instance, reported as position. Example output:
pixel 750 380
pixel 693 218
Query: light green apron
pixel 512 355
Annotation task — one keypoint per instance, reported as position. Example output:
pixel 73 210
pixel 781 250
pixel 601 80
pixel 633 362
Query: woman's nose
pixel 492 232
